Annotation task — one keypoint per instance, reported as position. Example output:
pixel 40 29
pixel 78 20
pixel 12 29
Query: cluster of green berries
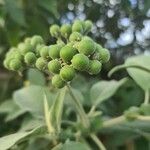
pixel 74 51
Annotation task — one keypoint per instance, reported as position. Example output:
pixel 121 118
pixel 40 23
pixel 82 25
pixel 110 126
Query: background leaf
pixel 104 89
pixel 31 99
pixel 142 78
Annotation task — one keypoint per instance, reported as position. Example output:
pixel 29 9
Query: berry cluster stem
pixel 147 95
pixel 79 108
pixel 97 141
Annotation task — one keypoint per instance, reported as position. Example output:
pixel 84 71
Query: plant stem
pixel 127 66
pixel 146 99
pixel 97 141
pixel 79 108
pixel 113 121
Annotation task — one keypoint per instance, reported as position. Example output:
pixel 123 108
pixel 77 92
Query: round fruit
pixel 41 63
pixel 44 52
pixel 77 26
pixel 88 25
pixel 38 48
pixel 30 58
pixel 25 47
pixel 36 40
pixel 86 46
pixel 54 30
pixel 57 81
pixel 15 64
pixel 80 62
pixel 54 51
pixel 67 53
pixel 6 63
pixel 27 40
pixel 54 66
pixel 102 54
pixel 67 73
pixel 94 67
pixel 65 30
pixel 75 36
pixel 17 55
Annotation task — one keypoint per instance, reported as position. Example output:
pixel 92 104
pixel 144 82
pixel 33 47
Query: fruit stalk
pixel 80 110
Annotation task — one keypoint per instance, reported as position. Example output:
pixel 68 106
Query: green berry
pixel 55 30
pixel 54 51
pixel 67 73
pixel 75 36
pixel 44 52
pixel 27 40
pixel 15 64
pixel 80 62
pixel 25 47
pixel 38 48
pixel 88 25
pixel 6 63
pixel 86 46
pixel 17 55
pixel 57 81
pixel 67 53
pixel 41 63
pixel 77 26
pixel 30 58
pixel 54 66
pixel 36 40
pixel 101 54
pixel 94 67
pixel 65 30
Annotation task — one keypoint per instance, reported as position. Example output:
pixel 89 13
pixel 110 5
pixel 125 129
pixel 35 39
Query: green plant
pixel 58 123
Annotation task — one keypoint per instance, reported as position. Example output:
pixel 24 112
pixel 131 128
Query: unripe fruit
pixel 38 48
pixel 77 26
pixel 75 36
pixel 11 52
pixel 57 81
pixel 67 73
pixel 17 55
pixel 88 25
pixel 104 55
pixel 6 63
pixel 86 46
pixel 36 40
pixel 54 51
pixel 67 53
pixel 65 30
pixel 44 52
pixel 25 47
pixel 27 40
pixel 54 66
pixel 101 54
pixel 30 58
pixel 94 67
pixel 15 64
pixel 54 30
pixel 41 63
pixel 80 62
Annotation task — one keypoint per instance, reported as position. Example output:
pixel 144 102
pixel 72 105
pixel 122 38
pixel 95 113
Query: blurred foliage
pixel 122 26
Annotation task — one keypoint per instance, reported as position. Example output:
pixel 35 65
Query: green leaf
pixel 56 109
pixel 138 68
pixel 50 6
pixel 8 141
pixel 16 13
pixel 141 77
pixel 13 111
pixel 36 77
pixel 74 146
pixel 31 99
pixel 103 90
